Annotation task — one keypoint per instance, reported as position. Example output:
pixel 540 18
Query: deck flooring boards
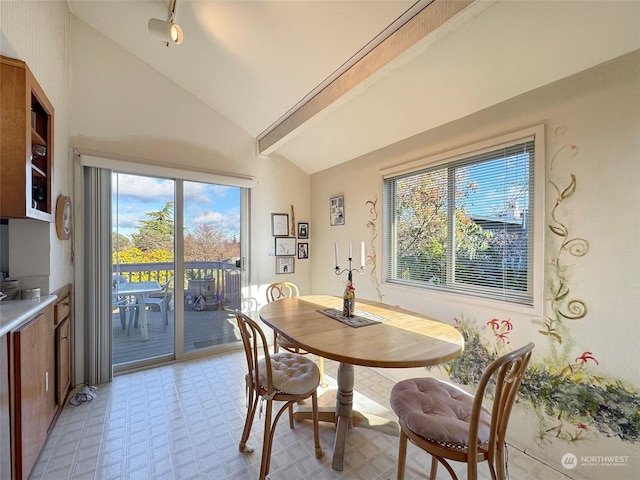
pixel 202 330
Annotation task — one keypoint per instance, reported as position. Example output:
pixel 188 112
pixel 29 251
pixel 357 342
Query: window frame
pixel 457 292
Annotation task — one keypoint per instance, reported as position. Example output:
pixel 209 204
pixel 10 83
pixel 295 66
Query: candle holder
pixel 349 296
pixel 362 270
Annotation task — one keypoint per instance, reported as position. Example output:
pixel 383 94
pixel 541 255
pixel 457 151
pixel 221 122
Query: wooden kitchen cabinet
pixel 26 144
pixel 36 379
pixel 33 393
pixel 63 346
pixel 5 411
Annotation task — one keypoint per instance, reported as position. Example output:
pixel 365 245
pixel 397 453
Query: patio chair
pixel 156 302
pixel 282 377
pixel 121 302
pixel 277 291
pixel 445 421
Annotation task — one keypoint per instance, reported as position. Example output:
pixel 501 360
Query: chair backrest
pixel 118 300
pixel 279 290
pixel 504 376
pixel 165 287
pixel 255 348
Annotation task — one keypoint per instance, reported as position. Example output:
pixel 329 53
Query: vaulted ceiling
pixel 323 82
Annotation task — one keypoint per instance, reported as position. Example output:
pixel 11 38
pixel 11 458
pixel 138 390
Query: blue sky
pixel 133 196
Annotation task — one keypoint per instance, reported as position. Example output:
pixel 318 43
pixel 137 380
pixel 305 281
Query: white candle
pixel 362 259
pixel 335 246
pixel 350 252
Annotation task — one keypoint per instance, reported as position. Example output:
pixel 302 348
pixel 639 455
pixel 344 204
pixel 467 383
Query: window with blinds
pixel 466 225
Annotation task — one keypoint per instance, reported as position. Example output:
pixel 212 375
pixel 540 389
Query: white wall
pixel 598 111
pixel 38 33
pixel 145 117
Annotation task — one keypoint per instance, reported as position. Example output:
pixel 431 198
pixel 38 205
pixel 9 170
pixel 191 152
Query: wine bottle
pixel 349 300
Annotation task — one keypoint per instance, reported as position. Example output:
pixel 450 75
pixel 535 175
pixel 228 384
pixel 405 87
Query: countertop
pixel 15 312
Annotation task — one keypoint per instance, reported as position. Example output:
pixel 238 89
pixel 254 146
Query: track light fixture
pixel 168 31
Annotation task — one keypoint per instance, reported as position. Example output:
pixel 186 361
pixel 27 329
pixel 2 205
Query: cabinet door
pixel 63 360
pixel 34 389
pixel 26 144
pixel 5 431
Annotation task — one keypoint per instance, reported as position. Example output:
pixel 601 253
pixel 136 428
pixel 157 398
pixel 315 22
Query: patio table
pixel 139 290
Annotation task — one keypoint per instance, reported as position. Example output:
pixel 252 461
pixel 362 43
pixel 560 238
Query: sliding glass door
pixel 176 275
pixel 143 253
pixel 211 265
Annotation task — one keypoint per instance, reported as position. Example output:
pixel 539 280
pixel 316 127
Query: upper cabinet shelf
pixel 26 144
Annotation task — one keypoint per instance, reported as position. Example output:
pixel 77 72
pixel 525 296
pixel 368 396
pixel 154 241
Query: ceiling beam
pixel 422 19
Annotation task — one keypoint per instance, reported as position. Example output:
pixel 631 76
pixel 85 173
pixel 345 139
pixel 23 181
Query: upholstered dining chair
pixel 451 424
pixel 281 377
pixel 278 291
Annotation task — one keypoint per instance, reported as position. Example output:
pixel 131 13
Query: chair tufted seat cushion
pixel 437 411
pixel 292 373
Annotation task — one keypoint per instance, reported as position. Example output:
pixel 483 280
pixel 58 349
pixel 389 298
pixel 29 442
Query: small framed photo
pixel 279 224
pixel 284 265
pixel 303 230
pixel 303 250
pixel 336 210
pixel 285 246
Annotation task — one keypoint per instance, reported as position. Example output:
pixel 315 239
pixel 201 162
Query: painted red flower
pixel 582 426
pixel 508 324
pixel 494 323
pixel 586 356
pixel 504 338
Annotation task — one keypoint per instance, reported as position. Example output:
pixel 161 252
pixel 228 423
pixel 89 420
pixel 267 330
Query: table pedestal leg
pixel 344 413
pixel 144 331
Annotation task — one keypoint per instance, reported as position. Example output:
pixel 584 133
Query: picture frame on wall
pixel 285 265
pixel 303 250
pixel 303 230
pixel 336 210
pixel 285 246
pixel 280 224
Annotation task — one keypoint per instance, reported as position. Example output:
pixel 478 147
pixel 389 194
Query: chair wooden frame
pixel 255 345
pixel 508 372
pixel 277 291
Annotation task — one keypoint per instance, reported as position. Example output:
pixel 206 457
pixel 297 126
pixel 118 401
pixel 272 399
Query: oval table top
pixel 405 339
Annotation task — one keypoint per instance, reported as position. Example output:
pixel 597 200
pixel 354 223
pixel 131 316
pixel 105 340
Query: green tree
pixel 120 242
pixel 157 232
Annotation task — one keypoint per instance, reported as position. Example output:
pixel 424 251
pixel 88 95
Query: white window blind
pixel 466 225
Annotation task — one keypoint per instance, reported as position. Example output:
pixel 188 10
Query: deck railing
pixel 217 282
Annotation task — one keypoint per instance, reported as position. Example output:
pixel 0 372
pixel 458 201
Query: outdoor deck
pixel 202 330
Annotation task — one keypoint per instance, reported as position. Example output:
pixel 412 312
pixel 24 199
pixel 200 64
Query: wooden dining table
pixel 395 338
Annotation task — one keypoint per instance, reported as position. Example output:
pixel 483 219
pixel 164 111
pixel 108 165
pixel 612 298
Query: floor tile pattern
pixel 184 421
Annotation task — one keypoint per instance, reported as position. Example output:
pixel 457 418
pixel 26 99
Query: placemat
pixel 360 319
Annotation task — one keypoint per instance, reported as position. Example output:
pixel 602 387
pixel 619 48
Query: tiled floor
pixel 184 421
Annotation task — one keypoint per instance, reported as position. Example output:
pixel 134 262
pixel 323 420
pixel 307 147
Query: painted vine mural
pixel 571 400
pixel 371 254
